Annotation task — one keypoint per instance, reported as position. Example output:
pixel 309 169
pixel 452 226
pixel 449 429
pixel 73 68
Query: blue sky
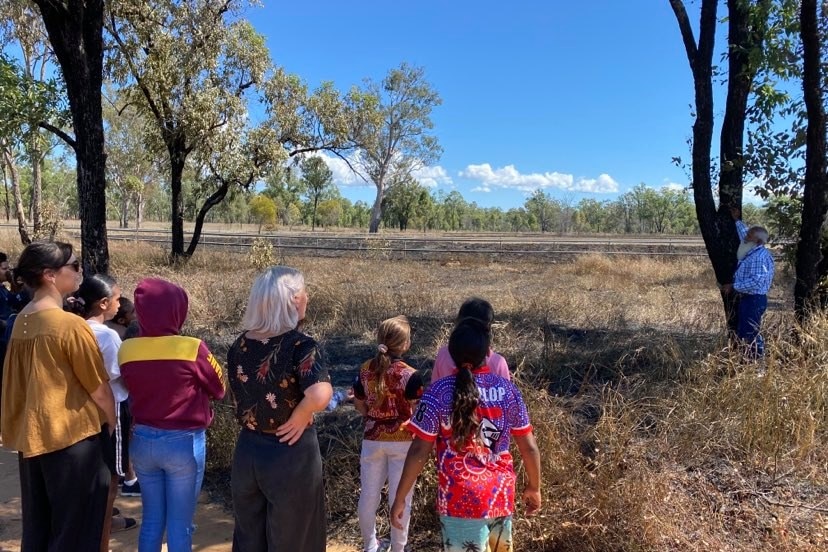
pixel 584 99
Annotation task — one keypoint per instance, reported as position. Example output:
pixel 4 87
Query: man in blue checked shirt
pixel 752 281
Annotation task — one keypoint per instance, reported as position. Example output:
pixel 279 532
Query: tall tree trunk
pixel 124 222
pixel 75 33
pixel 178 157
pixel 815 203
pixel 8 161
pixel 376 210
pixel 716 224
pixel 217 197
pixel 36 160
pixel 6 188
pixel 140 202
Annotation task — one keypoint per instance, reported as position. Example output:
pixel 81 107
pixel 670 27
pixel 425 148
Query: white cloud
pixel 343 175
pixel 483 189
pixel 675 186
pixel 431 177
pixel 510 177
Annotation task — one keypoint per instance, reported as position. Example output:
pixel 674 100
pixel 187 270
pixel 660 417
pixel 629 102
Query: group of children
pixel 469 412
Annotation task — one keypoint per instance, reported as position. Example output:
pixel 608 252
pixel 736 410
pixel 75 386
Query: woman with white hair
pixel 278 383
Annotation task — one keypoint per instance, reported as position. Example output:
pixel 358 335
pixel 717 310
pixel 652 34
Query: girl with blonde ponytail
pixel 384 392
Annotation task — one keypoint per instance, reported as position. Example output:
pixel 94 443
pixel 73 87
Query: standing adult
pixel 56 397
pixel 278 384
pixel 752 281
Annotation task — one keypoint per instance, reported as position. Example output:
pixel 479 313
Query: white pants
pixel 381 461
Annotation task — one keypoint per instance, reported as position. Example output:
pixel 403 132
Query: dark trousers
pixel 751 310
pixel 278 494
pixel 63 496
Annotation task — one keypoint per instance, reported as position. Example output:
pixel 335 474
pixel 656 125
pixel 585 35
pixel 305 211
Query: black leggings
pixel 64 498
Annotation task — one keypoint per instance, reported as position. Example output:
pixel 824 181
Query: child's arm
pixel 360 406
pixel 531 462
pixel 418 455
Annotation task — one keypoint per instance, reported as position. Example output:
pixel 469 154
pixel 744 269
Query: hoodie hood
pixel 161 307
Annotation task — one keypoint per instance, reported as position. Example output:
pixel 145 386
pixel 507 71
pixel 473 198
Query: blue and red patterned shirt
pixel 477 482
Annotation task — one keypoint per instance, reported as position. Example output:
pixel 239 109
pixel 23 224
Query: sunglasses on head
pixel 74 265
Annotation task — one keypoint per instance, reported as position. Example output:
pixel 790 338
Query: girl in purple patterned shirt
pixel 470 417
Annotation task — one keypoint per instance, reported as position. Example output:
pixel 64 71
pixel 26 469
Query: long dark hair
pixel 393 335
pixel 38 257
pixel 468 347
pixel 91 291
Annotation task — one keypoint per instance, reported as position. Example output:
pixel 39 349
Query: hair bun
pixel 382 348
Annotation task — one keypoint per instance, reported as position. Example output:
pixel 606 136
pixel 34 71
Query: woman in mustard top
pixel 56 398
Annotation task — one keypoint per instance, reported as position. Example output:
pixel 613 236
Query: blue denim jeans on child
pixel 170 466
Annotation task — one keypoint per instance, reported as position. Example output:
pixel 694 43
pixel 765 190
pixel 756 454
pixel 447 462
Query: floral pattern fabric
pixel 388 416
pixel 268 377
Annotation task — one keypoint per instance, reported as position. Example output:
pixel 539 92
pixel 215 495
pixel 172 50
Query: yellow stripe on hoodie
pixel 170 347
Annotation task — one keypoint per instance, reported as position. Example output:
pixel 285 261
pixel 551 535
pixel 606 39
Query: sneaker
pixel 129 523
pixel 131 490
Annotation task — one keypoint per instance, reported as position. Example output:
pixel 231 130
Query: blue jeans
pixel 751 310
pixel 170 466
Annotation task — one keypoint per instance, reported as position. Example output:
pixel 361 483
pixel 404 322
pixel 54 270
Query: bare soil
pixel 215 524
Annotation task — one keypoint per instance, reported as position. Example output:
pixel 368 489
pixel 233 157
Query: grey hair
pixel 270 307
pixel 761 234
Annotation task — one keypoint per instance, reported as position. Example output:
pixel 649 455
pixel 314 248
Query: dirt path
pixel 215 525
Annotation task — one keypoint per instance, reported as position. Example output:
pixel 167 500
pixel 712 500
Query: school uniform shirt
pixel 477 482
pixel 110 343
pixel 388 416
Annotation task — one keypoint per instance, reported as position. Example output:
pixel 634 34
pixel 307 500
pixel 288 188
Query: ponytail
pixel 468 346
pixel 393 338
pixel 93 289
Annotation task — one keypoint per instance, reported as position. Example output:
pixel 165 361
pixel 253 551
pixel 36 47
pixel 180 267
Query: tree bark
pixel 6 189
pixel 178 157
pixel 716 225
pixel 75 32
pixel 376 210
pixel 808 253
pixel 8 160
pixel 36 159
pixel 140 202
pixel 217 197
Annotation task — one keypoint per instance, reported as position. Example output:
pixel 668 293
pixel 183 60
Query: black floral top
pixel 268 377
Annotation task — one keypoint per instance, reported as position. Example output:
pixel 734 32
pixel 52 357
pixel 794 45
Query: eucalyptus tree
pixel 401 140
pixel 747 27
pixel 75 30
pixel 23 26
pixel 192 67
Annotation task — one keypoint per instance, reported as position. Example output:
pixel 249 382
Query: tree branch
pixel 59 133
pixel 686 31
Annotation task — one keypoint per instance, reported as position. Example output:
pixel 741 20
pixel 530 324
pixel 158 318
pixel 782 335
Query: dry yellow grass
pixel 654 436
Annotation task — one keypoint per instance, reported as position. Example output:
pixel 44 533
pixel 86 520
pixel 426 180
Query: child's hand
pixel 396 514
pixel 531 500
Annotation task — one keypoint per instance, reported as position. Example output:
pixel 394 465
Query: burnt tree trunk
pixel 808 253
pixel 75 31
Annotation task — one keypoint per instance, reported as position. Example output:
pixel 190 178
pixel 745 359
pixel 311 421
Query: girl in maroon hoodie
pixel 171 380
